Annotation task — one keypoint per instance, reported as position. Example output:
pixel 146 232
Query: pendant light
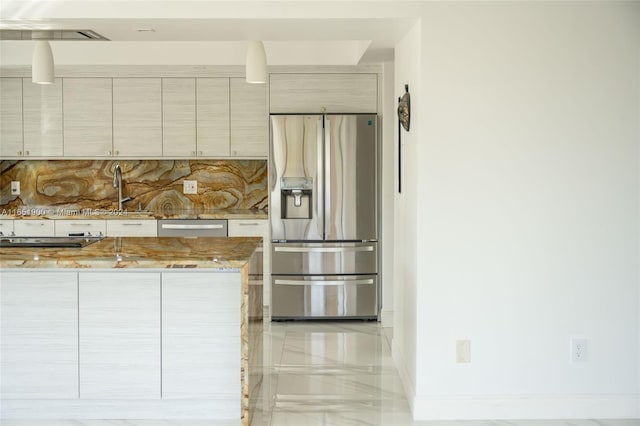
pixel 42 63
pixel 256 63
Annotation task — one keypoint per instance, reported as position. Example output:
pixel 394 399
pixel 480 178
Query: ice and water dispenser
pixel 296 193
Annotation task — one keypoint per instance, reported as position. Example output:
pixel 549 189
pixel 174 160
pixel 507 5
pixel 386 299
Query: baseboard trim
pixel 405 378
pixel 219 409
pixel 386 318
pixel 527 407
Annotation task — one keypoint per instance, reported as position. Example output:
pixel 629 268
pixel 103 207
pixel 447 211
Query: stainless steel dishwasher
pixel 192 228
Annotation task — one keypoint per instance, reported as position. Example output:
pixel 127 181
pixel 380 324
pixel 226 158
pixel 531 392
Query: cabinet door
pixel 319 93
pixel 6 226
pixel 64 227
pixel 137 117
pixel 87 117
pixel 34 228
pixel 201 344
pixel 179 117
pixel 42 118
pixel 256 228
pixel 212 97
pixel 119 327
pixel 39 330
pixel 249 119
pixel 10 117
pixel 132 228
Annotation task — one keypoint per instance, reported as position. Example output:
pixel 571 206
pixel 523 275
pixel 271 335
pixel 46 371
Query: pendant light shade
pixel 42 63
pixel 256 63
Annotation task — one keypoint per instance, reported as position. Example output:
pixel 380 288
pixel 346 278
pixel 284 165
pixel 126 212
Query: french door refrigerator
pixel 323 208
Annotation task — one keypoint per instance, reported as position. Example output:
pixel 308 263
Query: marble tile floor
pixel 330 374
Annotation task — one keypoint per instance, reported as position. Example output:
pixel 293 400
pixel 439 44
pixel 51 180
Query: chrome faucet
pixel 117 183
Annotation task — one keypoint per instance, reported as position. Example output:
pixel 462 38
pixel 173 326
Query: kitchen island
pixel 132 328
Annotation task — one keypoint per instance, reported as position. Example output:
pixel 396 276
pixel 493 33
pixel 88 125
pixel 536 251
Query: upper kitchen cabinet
pixel 137 117
pixel 42 106
pixel 249 119
pixel 320 93
pixel 87 105
pixel 212 99
pixel 11 117
pixel 179 117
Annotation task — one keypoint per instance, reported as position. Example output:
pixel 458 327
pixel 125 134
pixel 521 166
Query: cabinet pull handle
pixel 109 152
pixel 132 224
pixel 177 226
pixel 117 152
pixel 248 224
pixel 199 152
pixel 324 282
pixel 19 152
pixel 322 249
pixel 26 153
pixel 79 224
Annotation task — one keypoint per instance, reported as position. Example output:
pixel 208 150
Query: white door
pixel 39 335
pixel 201 344
pixel 119 335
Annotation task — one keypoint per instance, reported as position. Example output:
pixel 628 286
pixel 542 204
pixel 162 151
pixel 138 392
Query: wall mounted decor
pixel 404 120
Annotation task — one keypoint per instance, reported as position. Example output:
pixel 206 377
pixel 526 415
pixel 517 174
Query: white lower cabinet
pixel 34 228
pixel 132 228
pixel 6 226
pixel 201 335
pixel 119 315
pixel 256 228
pixel 66 227
pixel 39 335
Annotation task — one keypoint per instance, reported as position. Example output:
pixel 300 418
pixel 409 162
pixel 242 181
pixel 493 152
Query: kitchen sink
pixel 48 242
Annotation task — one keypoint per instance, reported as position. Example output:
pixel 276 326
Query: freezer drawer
pixel 323 258
pixel 318 297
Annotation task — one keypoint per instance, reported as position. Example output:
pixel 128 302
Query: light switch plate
pixel 15 187
pixel 190 187
pixel 463 351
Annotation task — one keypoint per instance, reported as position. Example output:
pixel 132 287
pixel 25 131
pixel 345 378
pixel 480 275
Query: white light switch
pixel 15 187
pixel 190 187
pixel 463 351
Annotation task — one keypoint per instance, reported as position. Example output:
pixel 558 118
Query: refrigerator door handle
pixel 327 177
pixel 319 186
pixel 324 282
pixel 322 249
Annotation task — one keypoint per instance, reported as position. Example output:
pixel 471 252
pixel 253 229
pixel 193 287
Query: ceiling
pixel 209 32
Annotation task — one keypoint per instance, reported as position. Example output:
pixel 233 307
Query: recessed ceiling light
pixel 145 30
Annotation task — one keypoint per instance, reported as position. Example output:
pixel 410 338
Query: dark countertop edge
pixel 94 257
pixel 115 215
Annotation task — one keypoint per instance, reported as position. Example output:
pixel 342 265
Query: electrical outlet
pixel 15 187
pixel 463 351
pixel 579 350
pixel 190 187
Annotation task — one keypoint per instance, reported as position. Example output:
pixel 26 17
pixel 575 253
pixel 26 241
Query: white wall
pixel 407 71
pixel 528 204
pixel 386 94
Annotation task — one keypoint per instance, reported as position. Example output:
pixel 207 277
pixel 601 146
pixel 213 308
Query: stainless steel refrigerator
pixel 323 208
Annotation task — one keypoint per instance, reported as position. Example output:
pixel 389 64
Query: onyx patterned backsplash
pixel 155 185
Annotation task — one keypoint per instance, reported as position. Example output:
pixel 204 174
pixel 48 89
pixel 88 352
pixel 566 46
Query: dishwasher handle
pixel 191 227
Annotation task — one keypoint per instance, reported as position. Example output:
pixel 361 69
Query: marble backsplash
pixel 155 185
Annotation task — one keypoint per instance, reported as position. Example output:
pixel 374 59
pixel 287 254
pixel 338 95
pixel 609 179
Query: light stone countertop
pixel 138 253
